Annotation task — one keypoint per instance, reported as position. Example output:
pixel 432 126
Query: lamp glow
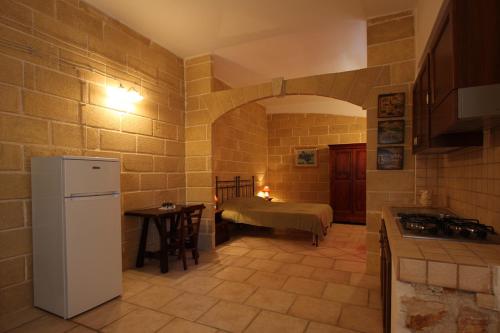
pixel 122 99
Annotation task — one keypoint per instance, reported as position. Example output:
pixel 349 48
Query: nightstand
pixel 221 228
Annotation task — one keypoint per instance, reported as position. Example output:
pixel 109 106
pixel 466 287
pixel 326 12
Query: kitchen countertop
pixel 451 264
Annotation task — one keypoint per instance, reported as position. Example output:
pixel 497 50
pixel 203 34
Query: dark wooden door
pixel 348 182
pixel 421 96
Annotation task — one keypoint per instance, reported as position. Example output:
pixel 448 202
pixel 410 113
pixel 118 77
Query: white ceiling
pixel 256 40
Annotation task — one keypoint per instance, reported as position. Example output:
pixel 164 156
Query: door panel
pixel 343 165
pixel 86 177
pixel 93 251
pixel 342 198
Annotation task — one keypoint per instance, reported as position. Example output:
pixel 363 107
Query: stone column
pixel 390 42
pixel 199 179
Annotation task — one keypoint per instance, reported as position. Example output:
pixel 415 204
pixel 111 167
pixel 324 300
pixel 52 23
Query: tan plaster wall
pixel 240 142
pixel 51 103
pixel 466 181
pixel 290 131
pixel 390 42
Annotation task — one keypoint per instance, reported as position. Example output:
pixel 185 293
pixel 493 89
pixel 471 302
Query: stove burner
pixel 445 226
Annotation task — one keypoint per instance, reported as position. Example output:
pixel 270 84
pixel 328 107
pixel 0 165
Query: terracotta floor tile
pixel 320 262
pixel 304 286
pixel 46 324
pixel 265 265
pixel 232 291
pixel 189 306
pixel 296 270
pixel 365 281
pixel 139 321
pixel 132 287
pixel 350 266
pixel 18 318
pixel 371 323
pixel 271 322
pixel 199 284
pixel 374 300
pixel 228 316
pixel 81 329
pixel 179 325
pixel 268 280
pixel 234 250
pixel 234 273
pixel 261 254
pixel 288 258
pixel 331 275
pixel 316 309
pixel 346 294
pixel 273 300
pixel 154 297
pixel 104 314
pixel 237 261
pixel 283 281
pixel 324 328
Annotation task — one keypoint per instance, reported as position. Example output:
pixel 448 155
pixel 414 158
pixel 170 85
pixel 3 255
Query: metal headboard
pixel 235 188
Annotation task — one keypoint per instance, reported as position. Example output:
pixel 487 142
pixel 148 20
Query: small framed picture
pixel 390 158
pixel 306 157
pixel 391 132
pixel 391 105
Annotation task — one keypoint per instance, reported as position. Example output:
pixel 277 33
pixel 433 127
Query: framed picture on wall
pixel 391 132
pixel 306 157
pixel 391 105
pixel 390 158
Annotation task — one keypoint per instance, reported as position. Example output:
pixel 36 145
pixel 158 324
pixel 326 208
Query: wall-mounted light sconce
pixel 123 99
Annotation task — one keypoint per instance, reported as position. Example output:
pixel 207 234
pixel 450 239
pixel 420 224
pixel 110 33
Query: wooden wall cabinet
pixel 463 51
pixel 348 182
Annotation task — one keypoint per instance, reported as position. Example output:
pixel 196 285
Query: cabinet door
pixel 342 181
pixel 359 183
pixel 442 60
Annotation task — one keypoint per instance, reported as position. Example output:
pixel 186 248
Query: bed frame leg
pixel 315 240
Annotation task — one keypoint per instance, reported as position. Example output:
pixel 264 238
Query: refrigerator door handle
pixel 99 194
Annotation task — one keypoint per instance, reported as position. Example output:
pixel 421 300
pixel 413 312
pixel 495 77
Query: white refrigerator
pixel 77 261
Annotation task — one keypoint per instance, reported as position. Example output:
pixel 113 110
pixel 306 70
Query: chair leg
pixel 142 244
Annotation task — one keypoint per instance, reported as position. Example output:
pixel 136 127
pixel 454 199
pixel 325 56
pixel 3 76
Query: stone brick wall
pixel 240 144
pixel 290 131
pixel 56 58
pixel 199 180
pixel 390 42
pixel 466 181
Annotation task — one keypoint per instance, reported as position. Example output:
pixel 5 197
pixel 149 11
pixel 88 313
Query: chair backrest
pixel 193 213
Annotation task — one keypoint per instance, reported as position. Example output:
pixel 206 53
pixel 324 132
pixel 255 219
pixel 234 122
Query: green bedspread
pixel 315 218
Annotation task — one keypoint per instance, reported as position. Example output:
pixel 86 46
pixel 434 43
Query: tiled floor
pixel 256 283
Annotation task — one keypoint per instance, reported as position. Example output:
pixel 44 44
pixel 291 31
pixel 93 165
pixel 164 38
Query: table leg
pixel 160 225
pixel 142 244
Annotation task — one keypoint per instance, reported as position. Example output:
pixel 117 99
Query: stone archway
pixel 352 86
pixel 205 106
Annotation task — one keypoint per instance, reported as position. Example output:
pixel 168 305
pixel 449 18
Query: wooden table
pixel 160 218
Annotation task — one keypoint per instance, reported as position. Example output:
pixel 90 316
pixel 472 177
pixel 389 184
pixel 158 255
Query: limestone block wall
pixel 290 131
pixel 199 178
pixel 390 43
pixel 56 59
pixel 240 143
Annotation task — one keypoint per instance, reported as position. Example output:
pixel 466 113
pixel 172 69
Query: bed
pixel 240 205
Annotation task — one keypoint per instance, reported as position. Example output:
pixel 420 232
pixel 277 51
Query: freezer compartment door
pixel 84 177
pixel 93 252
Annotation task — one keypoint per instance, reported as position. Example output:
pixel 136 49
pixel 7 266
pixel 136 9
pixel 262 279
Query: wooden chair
pixel 190 221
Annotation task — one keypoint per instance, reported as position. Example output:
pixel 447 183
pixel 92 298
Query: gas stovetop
pixel 447 227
